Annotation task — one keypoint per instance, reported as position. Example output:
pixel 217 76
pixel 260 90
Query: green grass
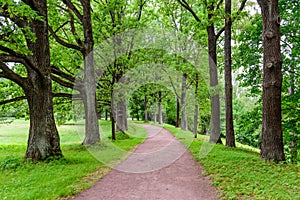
pixel 78 170
pixel 238 173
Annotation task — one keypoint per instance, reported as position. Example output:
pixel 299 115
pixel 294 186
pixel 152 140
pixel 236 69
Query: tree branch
pixel 12 100
pixel 67 84
pixel 74 9
pixel 16 55
pixel 142 3
pixel 61 26
pixel 55 70
pixel 64 43
pixel 73 29
pixel 9 58
pixel 11 75
pixel 186 6
pixel 219 4
pixel 220 32
pixel 66 95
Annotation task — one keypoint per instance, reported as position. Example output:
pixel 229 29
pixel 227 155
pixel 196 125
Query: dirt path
pixel 160 168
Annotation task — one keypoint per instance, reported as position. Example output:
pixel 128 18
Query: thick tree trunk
pixel 160 115
pixel 92 135
pixel 215 128
pixel 43 140
pixel 230 139
pixel 272 141
pixel 184 125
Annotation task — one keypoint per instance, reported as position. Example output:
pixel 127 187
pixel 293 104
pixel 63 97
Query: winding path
pixel 160 168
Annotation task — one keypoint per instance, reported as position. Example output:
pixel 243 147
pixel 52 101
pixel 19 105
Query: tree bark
pixel 92 135
pixel 112 116
pixel 230 138
pixel 132 114
pixel 121 116
pixel 215 128
pixel 177 113
pixel 160 115
pixel 106 114
pixel 184 125
pixel 196 114
pixel 43 140
pixel 272 140
pixel 145 107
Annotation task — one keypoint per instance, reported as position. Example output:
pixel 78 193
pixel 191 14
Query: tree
pixel 184 123
pixel 211 8
pixel 230 139
pixel 196 114
pixel 85 47
pixel 272 141
pixel 26 23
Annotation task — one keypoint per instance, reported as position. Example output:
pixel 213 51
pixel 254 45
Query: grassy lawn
pixel 78 170
pixel 238 173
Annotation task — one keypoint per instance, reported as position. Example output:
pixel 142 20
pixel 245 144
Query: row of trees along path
pixel 32 32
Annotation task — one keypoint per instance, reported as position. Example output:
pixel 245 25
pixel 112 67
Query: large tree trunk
pixel 184 125
pixel 230 139
pixel 160 115
pixel 92 135
pixel 43 141
pixel 215 128
pixel 272 141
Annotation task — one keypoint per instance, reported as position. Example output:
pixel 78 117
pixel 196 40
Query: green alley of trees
pixel 55 53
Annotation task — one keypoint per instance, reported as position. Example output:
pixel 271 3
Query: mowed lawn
pixel 54 179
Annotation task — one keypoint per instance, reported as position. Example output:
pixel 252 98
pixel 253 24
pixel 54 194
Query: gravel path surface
pixel 159 169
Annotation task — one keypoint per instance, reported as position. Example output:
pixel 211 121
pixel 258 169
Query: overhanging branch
pixel 188 7
pixel 55 70
pixel 74 9
pixel 11 75
pixel 62 42
pixel 12 100
pixel 67 95
pixel 12 54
